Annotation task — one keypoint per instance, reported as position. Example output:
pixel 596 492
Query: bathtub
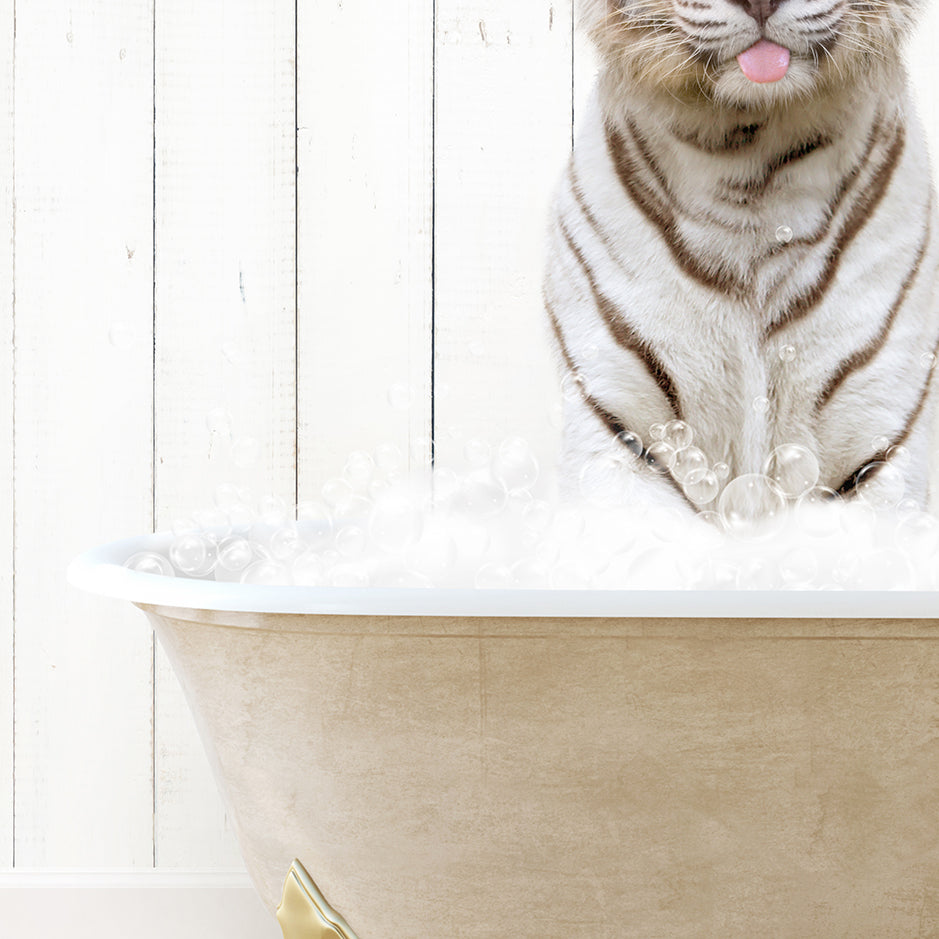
pixel 443 764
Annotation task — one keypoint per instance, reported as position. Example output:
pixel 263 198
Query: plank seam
pixel 13 445
pixel 153 431
pixel 433 239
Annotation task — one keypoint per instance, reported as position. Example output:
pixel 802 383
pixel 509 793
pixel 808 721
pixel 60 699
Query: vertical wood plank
pixel 924 75
pixel 6 433
pixel 365 86
pixel 585 65
pixel 503 132
pixel 225 322
pixel 83 453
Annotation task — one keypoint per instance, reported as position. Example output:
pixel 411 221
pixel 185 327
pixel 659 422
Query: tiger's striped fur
pixel 670 294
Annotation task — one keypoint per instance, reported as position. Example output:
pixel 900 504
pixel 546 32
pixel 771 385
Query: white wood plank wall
pixel 83 438
pixel 6 433
pixel 237 242
pixel 225 322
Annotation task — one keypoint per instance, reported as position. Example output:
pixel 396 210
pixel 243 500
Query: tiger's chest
pixel 768 295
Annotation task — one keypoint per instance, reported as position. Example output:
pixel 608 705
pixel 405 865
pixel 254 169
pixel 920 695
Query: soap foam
pixel 492 528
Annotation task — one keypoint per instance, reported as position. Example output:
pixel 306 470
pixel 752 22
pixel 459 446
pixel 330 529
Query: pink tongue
pixel 764 61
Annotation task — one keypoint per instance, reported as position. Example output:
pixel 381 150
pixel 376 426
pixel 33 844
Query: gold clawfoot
pixel 304 913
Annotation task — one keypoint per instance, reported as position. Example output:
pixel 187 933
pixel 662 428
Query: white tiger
pixel 745 240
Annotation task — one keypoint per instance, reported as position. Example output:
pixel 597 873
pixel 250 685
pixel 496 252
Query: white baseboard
pixel 142 904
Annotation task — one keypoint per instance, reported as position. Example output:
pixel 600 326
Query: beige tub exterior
pixel 473 777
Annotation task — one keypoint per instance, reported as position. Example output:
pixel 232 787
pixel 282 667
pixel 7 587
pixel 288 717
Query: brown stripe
pixel 675 205
pixel 860 212
pixel 663 218
pixel 844 188
pixel 737 138
pixel 757 186
pixel 700 24
pixel 849 487
pixel 612 423
pixel 860 358
pixel 592 221
pixel 625 336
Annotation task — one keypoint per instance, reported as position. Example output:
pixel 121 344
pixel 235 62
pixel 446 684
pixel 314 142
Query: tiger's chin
pixel 731 88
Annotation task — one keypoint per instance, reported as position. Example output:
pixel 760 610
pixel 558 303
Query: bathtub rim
pixel 100 571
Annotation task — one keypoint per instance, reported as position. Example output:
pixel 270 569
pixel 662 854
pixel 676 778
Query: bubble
pixel 399 396
pixel 241 516
pixel 315 523
pixel 657 432
pixel 751 507
pixel 537 516
pixel 689 461
pixel 514 465
pixel 348 575
pixel 477 452
pixel 928 361
pixel 568 523
pixel 308 570
pixel 529 574
pixel 880 485
pixel 590 352
pixel 482 496
pixel 569 576
pixel 701 486
pixel 678 434
pixel 403 580
pixel 214 523
pixel 880 443
pixel 351 541
pixel 882 569
pixel 446 485
pixel 661 456
pixel 794 469
pixel 336 492
pixel 420 449
pixel 273 510
pixel 266 573
pixel 435 553
pixel 228 495
pixel 784 234
pixel 573 387
pixel 798 567
pixel 630 441
pixel 235 554
pixel 918 535
pixel 150 562
pixel 899 456
pixel 817 511
pixel 492 576
pixel 389 459
pixel 219 421
pixel 721 471
pixel 396 522
pixel 760 404
pixel 192 554
pixel 358 470
pixel 652 568
pixel 286 543
pixel 757 573
pixel 787 353
pixel 245 452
